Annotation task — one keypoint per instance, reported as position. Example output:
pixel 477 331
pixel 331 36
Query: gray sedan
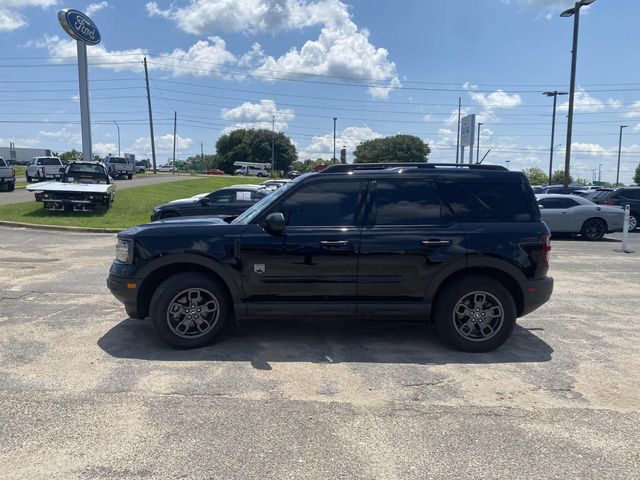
pixel 574 214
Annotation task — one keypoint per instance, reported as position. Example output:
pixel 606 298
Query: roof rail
pixel 350 167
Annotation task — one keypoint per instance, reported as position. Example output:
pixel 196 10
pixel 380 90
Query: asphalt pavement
pixel 21 195
pixel 86 392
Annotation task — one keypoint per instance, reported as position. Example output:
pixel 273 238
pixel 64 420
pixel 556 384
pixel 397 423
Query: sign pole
pixel 85 115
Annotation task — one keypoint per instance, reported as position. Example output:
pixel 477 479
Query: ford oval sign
pixel 79 26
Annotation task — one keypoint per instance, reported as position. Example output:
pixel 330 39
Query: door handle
pixel 334 243
pixel 436 243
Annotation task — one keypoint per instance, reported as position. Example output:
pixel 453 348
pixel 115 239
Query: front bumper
pixel 535 294
pixel 121 288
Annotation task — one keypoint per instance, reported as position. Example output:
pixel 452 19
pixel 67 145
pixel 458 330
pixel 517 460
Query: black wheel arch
pixel 164 267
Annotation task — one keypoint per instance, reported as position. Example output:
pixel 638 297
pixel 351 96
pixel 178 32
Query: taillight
pixel 546 247
pixel 608 202
pixel 13 172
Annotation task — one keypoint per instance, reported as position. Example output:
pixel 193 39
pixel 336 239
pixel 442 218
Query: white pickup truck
pixel 44 168
pixel 7 176
pixel 84 187
pixel 120 167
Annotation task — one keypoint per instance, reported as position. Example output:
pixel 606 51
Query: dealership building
pixel 22 155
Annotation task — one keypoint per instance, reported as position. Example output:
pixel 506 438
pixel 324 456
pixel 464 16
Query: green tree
pixel 244 145
pixel 535 175
pixel 558 177
pixel 198 163
pixel 70 156
pixel 398 148
pixel 636 176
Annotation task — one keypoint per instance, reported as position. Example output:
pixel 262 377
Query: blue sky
pixel 380 67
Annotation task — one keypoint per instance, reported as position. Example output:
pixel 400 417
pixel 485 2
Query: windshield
pixel 252 212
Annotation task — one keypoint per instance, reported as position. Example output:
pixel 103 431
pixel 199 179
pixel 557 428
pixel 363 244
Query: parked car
pixel 230 201
pixel 141 166
pixel 7 176
pixel 164 168
pixel 622 196
pixel 293 174
pixel 213 171
pixel 577 215
pixel 44 168
pixel 84 187
pixel 119 167
pixel 277 183
pixel 462 246
pixel 561 189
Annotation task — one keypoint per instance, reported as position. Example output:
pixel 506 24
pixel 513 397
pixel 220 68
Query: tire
pixel 169 215
pixel 11 186
pixel 130 176
pixel 184 295
pixel 479 297
pixel 29 179
pixel 633 221
pixel 593 229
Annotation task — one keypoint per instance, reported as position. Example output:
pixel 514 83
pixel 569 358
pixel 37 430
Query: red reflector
pixel 531 290
pixel 607 202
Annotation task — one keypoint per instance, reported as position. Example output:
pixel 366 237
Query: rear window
pixel 489 202
pixel 117 160
pixel 49 161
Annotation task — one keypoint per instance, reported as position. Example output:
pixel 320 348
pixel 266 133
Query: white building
pixel 23 155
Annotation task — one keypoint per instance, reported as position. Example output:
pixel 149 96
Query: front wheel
pixel 475 314
pixel 633 221
pixel 593 230
pixel 130 176
pixel 29 179
pixel 11 186
pixel 189 310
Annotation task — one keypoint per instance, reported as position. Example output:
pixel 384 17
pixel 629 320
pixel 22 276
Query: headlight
pixel 124 250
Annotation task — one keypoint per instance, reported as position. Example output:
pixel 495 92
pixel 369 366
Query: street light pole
pixel 553 94
pixel 575 11
pixel 273 143
pixel 600 173
pixel 478 144
pixel 619 152
pixel 118 127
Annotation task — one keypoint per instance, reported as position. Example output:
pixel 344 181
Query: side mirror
pixel 274 223
pixel 540 206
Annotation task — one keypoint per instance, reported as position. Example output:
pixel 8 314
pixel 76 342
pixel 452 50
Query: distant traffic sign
pixel 79 26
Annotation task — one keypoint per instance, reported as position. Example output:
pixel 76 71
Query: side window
pixel 255 196
pixel 408 202
pixel 631 194
pixel 39 162
pixel 322 204
pixel 226 196
pixel 553 203
pixel 570 202
pixel 489 202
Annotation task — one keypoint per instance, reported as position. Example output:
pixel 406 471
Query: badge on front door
pixel 258 267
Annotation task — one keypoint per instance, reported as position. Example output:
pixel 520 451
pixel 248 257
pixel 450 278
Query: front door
pixel 408 239
pixel 310 269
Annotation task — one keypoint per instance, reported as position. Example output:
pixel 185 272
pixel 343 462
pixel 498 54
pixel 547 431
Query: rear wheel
pixel 476 314
pixel 593 229
pixel 11 186
pixel 189 310
pixel 29 179
pixel 633 221
pixel 130 176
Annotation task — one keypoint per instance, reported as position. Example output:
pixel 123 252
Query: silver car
pixel 574 214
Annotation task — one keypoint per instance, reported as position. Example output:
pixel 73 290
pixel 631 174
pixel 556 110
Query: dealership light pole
pixel 273 142
pixel 118 127
pixel 575 12
pixel 619 152
pixel 553 94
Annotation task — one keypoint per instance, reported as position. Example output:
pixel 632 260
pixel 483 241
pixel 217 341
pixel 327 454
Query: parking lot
pixel 86 392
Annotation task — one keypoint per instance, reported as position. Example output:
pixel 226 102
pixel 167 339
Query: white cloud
pixel 94 8
pixel 63 135
pixel 634 110
pixel 497 99
pixel 164 145
pixel 636 129
pixel 614 103
pixel 342 49
pixel 258 115
pixel 321 146
pixel 583 102
pixel 103 149
pixel 202 17
pixel 10 16
pixel 21 142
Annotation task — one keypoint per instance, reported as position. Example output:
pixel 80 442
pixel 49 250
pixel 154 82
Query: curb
pixel 62 228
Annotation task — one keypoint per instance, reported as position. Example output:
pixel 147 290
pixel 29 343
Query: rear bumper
pixel 535 294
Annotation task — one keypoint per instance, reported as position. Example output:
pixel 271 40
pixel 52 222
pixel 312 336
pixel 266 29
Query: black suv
pixel 461 246
pixel 622 196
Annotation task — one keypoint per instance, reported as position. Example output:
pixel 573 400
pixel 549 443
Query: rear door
pixel 409 237
pixel 555 213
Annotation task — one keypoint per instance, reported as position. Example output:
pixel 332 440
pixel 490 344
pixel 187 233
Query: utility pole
pixel 600 173
pixel 478 143
pixel 153 142
pixel 202 154
pixel 458 141
pixel 273 144
pixel 175 121
pixel 619 152
pixel 553 94
pixel 335 119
